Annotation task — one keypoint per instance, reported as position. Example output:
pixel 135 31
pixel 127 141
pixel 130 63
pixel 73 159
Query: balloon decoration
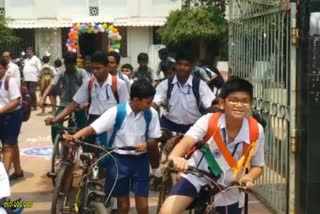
pixel 87 28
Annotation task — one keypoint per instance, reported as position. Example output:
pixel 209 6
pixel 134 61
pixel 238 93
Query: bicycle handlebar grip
pixel 128 148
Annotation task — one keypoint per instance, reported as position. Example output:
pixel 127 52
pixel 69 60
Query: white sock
pixel 156 172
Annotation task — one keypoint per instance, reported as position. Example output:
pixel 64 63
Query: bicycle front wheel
pixel 62 189
pixel 57 157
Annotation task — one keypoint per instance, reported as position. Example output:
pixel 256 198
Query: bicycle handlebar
pixel 105 149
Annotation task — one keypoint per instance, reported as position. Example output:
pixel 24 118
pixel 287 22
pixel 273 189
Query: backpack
pixel 121 115
pixel 248 149
pixel 113 88
pixel 25 98
pixel 195 90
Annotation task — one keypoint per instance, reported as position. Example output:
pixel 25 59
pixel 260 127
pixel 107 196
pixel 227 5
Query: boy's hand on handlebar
pixel 68 137
pixel 49 120
pixel 179 163
pixel 247 180
pixel 141 147
pixel 41 103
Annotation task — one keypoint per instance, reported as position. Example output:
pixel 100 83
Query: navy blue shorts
pixel 133 175
pixel 10 125
pixel 185 188
pixel 174 127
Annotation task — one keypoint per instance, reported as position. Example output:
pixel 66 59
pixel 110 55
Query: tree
pixel 203 26
pixel 221 4
pixel 7 38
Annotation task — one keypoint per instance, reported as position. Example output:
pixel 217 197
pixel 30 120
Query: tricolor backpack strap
pixel 121 115
pixel 114 87
pixel 248 149
pixel 147 117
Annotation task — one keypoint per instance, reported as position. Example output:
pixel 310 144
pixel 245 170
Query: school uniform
pixel 101 99
pixel 126 79
pixel 190 185
pixel 14 71
pixel 133 166
pixel 10 123
pixel 182 109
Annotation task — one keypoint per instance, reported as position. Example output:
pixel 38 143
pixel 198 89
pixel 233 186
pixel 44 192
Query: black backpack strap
pixel 170 87
pixel 196 89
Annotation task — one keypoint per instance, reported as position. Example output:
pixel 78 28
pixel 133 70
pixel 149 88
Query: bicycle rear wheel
pixel 62 189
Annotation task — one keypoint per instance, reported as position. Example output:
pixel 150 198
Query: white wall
pixel 19 9
pixel 139 40
pixel 162 8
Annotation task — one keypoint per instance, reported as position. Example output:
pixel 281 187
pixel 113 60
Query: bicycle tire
pixel 62 186
pixel 97 207
pixel 165 188
pixel 56 151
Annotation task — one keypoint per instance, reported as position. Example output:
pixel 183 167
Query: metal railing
pixel 260 51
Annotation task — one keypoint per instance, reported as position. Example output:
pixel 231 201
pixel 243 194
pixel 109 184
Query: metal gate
pixel 261 50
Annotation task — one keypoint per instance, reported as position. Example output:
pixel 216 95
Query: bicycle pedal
pixel 51 175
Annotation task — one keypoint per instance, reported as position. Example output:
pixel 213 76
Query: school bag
pixel 213 132
pixel 114 87
pixel 121 115
pixel 25 98
pixel 195 90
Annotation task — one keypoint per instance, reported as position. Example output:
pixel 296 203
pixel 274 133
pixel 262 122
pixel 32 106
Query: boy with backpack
pixel 129 124
pixel 114 61
pixel 10 121
pixel 70 80
pixel 231 142
pixel 102 92
pixel 143 71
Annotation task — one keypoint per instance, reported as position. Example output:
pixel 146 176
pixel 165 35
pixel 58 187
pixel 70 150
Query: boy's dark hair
pixel 142 89
pixel 3 62
pixel 236 84
pixel 163 53
pixel 70 58
pixel 215 102
pixel 116 56
pixel 30 48
pixel 127 66
pixel 57 63
pixel 45 59
pixel 100 57
pixel 87 58
pixel 186 55
pixel 143 57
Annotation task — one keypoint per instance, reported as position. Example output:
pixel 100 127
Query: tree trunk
pixel 202 48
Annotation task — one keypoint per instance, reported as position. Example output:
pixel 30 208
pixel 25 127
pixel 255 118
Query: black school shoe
pixel 14 176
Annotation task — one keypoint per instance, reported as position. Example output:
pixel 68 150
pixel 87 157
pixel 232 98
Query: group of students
pixel 130 108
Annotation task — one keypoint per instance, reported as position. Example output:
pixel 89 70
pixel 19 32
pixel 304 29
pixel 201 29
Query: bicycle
pixel 204 203
pixel 90 197
pixel 63 178
pixel 168 140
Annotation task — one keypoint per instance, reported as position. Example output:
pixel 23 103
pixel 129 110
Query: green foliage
pixel 191 24
pixel 221 4
pixel 7 38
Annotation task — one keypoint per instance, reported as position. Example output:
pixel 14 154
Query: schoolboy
pixel 70 81
pixel 233 125
pixel 114 61
pixel 99 93
pixel 133 166
pixel 127 69
pixel 143 71
pixel 10 121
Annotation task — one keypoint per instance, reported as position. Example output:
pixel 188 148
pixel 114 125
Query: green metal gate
pixel 262 50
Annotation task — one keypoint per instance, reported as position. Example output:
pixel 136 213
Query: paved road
pixel 35 149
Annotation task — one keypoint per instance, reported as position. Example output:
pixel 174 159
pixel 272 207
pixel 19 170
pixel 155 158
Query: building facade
pixel 48 23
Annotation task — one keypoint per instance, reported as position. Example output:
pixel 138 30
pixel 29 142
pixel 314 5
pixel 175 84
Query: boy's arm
pixel 84 132
pixel 66 111
pixel 10 106
pixel 44 96
pixel 161 95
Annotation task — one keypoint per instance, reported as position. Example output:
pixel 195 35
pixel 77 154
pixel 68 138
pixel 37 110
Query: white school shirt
pixel 12 93
pixel 182 106
pixel 198 131
pixel 102 98
pixel 126 79
pixel 132 130
pixel 13 70
pixel 4 182
pixel 31 69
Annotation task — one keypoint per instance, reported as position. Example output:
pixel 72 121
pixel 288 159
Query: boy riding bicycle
pixel 226 145
pixel 134 130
